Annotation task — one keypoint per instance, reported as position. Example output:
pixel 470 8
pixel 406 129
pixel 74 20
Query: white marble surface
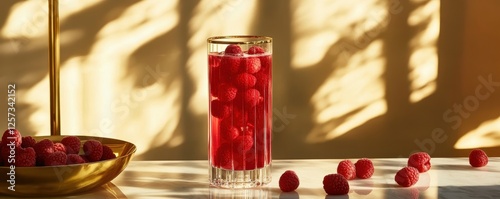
pixel 448 178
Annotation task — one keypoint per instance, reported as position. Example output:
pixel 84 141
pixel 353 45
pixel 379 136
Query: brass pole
pixel 55 117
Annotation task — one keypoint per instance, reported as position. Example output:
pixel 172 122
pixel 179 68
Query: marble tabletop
pixel 448 178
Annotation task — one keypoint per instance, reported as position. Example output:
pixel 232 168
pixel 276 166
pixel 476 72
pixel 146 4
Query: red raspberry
pixel 250 65
pixel 214 80
pixel 227 131
pixel 43 149
pixel 364 168
pixel 289 181
pixel 335 184
pixel 223 157
pixel 55 159
pixel 230 65
pixel 266 63
pixel 239 115
pixel 74 159
pixel 5 152
pixel 248 132
pixel 478 158
pixel 245 80
pixel 255 50
pixel 25 157
pixel 93 150
pixel 12 136
pixel 243 143
pixel 84 157
pixel 60 147
pixel 347 169
pixel 263 137
pixel 214 60
pixel 28 141
pixel 238 162
pixel 407 176
pixel 69 150
pixel 421 161
pixel 219 109
pixel 251 97
pixel 72 144
pixel 257 116
pixel 227 92
pixel 233 49
pixel 254 158
pixel 250 159
pixel 262 82
pixel 107 153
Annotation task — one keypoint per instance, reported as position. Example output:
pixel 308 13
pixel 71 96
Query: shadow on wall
pixel 434 123
pixel 342 88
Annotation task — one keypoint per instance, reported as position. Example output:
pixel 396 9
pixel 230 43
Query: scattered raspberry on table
pixel 335 184
pixel 347 169
pixel 421 161
pixel 407 176
pixel 478 158
pixel 289 181
pixel 364 168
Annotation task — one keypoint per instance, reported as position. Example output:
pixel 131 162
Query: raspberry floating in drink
pixel 240 108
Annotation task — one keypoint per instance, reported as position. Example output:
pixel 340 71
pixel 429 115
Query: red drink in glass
pixel 240 110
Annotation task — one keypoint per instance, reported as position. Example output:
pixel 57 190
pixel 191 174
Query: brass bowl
pixel 68 179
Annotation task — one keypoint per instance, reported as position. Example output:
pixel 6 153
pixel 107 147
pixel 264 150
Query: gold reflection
pixel 486 135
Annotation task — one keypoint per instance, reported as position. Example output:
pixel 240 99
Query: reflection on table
pixel 448 178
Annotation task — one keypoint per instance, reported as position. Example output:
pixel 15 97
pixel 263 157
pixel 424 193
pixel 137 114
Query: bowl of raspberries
pixel 59 165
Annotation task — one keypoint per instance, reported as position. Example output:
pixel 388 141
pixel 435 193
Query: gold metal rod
pixel 55 117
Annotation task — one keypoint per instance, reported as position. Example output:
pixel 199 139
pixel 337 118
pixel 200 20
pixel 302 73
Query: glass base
pixel 240 179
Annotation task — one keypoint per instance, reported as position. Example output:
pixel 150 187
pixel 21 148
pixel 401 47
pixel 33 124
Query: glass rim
pixel 239 39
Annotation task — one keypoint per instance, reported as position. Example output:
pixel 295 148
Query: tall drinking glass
pixel 240 111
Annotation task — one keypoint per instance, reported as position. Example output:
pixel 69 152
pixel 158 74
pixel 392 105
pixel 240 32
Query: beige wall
pixel 374 78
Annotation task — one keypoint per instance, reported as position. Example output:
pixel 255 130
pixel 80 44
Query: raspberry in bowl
pixel 62 173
